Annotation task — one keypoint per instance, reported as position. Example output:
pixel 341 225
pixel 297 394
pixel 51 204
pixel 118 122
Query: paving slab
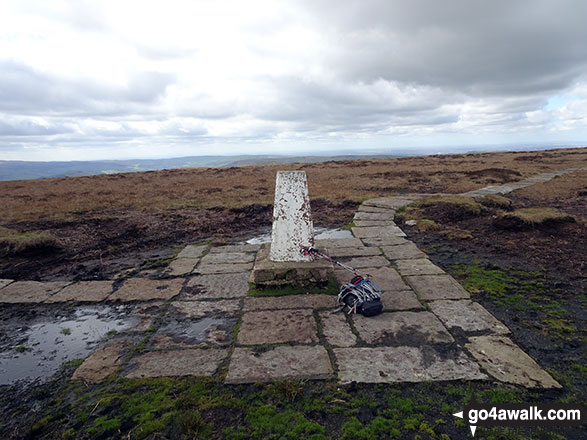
pixel 4 283
pixel 506 362
pixel 143 289
pixel 338 242
pixel 362 251
pixel 190 362
pixel 436 287
pixel 386 278
pixel 400 300
pixel 193 251
pixel 277 326
pixel 404 364
pixel 418 266
pixel 370 223
pixel 203 309
pixel 468 316
pixel 360 262
pixel 279 363
pixel 235 248
pixel 374 216
pixel 230 285
pixel 378 231
pixel 406 251
pixel 83 291
pixel 367 208
pixel 206 269
pixel 337 330
pixel 102 363
pixel 228 257
pixel 390 202
pixel 22 292
pixel 384 241
pixel 309 302
pixel 181 266
pixel 402 328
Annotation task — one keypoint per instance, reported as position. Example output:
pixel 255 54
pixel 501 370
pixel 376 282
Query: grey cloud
pixel 479 47
pixel 23 89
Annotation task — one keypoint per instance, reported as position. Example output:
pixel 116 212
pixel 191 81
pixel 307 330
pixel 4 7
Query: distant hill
pixel 16 170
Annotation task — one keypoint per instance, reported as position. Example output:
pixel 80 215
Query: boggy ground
pixel 532 280
pixel 94 227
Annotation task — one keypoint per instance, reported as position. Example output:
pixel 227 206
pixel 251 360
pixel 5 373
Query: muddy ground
pixel 99 246
pixel 533 280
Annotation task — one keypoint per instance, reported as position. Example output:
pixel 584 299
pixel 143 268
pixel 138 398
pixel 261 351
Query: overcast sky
pixel 142 79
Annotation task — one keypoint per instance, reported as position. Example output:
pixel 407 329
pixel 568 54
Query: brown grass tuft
pixel 532 217
pixel 14 242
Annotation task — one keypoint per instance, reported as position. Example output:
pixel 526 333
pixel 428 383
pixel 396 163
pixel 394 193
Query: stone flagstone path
pixel 202 323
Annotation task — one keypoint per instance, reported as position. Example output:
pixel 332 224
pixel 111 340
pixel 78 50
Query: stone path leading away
pixel 200 321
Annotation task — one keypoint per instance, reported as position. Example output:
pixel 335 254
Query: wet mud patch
pixel 184 332
pixel 36 341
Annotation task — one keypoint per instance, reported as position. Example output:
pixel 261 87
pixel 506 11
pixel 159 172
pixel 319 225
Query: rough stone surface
pixel 384 241
pixel 277 326
pixel 228 257
pixel 202 309
pixel 419 266
pixel 192 251
pixel 338 242
pixel 406 251
pixel 360 262
pixel 506 362
pixel 367 208
pixel 363 251
pixel 231 285
pixel 298 273
pixel 30 291
pixel 467 315
pixel 207 269
pixel 386 278
pixel 182 266
pixel 83 291
pixel 292 220
pixel 370 223
pixel 309 302
pixel 390 202
pixel 4 283
pixel 400 300
pixel 236 248
pixel 402 328
pixel 280 363
pixel 337 330
pixel 404 364
pixel 378 231
pixel 435 287
pixel 102 363
pixel 142 289
pixel 374 216
pixel 192 362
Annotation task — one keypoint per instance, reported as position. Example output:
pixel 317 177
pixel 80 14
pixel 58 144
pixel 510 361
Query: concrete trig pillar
pixel 292 221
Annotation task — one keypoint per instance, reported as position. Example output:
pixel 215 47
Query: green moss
pixel 103 425
pixel 425 225
pixel 349 226
pixel 332 288
pixel 266 422
pixel 20 348
pixel 16 242
pixel 65 331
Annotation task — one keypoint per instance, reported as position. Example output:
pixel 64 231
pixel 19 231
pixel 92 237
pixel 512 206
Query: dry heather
pixel 562 187
pixel 185 189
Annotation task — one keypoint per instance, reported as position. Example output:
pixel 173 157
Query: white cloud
pixel 154 78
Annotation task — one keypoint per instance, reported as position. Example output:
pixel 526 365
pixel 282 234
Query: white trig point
pixel 292 221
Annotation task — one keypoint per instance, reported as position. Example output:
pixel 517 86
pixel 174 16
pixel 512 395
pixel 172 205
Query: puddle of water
pixel 319 234
pixel 192 331
pixel 51 340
